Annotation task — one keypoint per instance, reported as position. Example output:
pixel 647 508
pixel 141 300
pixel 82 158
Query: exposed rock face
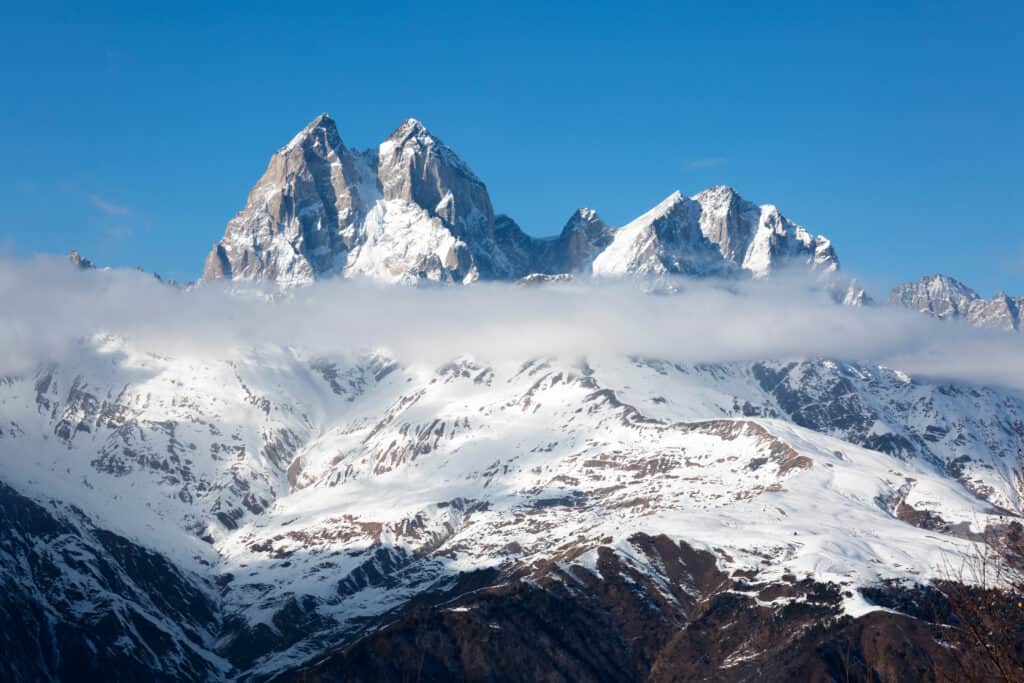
pixel 584 236
pixel 714 233
pixel 937 295
pixel 666 240
pixel 613 623
pixel 518 251
pixel 759 238
pixel 1001 312
pixel 298 216
pixel 945 298
pixel 416 167
pixel 572 252
pixel 413 210
pixel 85 604
pixel 322 209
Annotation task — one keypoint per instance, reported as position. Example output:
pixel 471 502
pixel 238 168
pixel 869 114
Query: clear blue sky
pixel 133 133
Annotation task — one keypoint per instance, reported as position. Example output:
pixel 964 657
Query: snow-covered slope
pixel 303 500
pixel 413 210
pixel 947 298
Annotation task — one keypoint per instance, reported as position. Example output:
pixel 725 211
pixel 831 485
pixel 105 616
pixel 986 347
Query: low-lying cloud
pixel 47 307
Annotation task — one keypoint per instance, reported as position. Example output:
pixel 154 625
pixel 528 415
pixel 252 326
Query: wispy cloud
pixel 707 162
pixel 108 207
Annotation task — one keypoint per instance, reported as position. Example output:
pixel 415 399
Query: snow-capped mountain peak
pixel 665 240
pixel 293 226
pixel 663 207
pixel 581 219
pixel 947 298
pixel 728 220
pixel 413 209
pixel 417 167
pixel 322 126
pixel 937 295
pixel 414 137
pixel 757 238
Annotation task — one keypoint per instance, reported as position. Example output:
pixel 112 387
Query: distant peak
pixel 944 281
pixel 935 286
pixel 663 208
pixel 80 261
pixel 410 128
pixel 718 194
pixel 322 123
pixel 583 218
pixel 670 201
pixel 413 136
pixel 587 214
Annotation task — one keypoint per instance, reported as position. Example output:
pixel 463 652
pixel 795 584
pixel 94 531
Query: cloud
pixel 709 162
pixel 108 207
pixel 47 308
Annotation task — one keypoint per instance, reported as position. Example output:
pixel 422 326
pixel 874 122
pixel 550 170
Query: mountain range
pixel 948 299
pixel 267 513
pixel 412 209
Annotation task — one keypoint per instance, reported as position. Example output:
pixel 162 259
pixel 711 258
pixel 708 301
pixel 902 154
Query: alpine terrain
pixel 411 209
pixel 275 514
pixel 946 298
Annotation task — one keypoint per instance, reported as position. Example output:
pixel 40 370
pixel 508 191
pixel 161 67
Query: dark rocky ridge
pixel 616 625
pixel 547 621
pixel 86 604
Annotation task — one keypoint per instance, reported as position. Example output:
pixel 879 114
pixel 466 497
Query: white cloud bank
pixel 46 306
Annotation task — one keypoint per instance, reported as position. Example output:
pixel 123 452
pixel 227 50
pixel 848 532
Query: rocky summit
pixel 946 298
pixel 413 210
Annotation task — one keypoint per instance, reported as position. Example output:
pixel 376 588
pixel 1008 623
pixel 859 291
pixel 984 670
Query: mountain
pixel 407 210
pixel 572 252
pixel 413 210
pixel 759 239
pixel 274 515
pixel 258 512
pixel 79 261
pixel 665 240
pixel 943 297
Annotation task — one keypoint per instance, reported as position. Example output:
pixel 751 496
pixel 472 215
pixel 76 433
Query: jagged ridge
pixel 949 299
pixel 413 210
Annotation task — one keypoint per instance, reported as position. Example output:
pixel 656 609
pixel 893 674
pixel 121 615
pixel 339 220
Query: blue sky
pixel 133 132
